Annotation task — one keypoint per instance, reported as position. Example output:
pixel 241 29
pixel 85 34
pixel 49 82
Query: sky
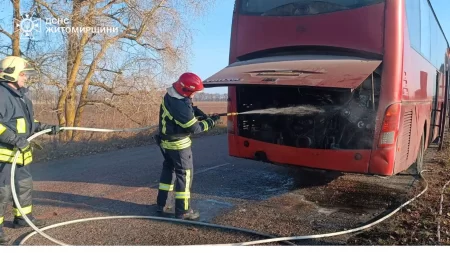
pixel 212 42
pixel 212 39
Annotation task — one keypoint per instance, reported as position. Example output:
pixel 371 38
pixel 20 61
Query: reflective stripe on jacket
pixel 16 116
pixel 177 122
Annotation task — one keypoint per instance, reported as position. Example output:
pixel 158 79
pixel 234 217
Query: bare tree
pixel 115 53
pixel 14 34
pixel 211 97
pixel 112 46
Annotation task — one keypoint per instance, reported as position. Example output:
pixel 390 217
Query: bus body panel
pixel 302 70
pixel 335 29
pixel 382 161
pixel 423 88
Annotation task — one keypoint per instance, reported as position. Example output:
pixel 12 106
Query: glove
pixel 22 144
pixel 215 117
pixel 55 130
pixel 211 123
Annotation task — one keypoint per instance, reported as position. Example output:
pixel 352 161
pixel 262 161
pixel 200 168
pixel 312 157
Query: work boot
pixel 190 215
pixel 20 222
pixel 3 238
pixel 159 209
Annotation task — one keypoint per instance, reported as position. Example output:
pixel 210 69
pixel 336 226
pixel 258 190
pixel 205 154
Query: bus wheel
pixel 417 166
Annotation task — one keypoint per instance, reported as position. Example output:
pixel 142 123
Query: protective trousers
pixel 178 166
pixel 24 188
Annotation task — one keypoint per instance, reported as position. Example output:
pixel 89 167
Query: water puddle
pixel 211 208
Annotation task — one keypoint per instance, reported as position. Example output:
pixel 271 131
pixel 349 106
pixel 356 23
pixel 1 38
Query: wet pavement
pixel 227 191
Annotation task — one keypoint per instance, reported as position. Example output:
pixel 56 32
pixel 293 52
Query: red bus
pixel 377 68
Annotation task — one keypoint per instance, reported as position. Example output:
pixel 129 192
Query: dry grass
pixel 109 118
pixel 417 223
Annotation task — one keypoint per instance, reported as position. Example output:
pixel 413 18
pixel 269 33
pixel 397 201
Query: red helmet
pixel 187 84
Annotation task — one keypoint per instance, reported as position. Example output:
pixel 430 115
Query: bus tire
pixel 417 167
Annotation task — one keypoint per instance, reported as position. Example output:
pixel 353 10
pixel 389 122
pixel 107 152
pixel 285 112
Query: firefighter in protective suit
pixel 177 121
pixel 16 125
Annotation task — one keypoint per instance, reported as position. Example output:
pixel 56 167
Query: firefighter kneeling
pixel 177 121
pixel 16 125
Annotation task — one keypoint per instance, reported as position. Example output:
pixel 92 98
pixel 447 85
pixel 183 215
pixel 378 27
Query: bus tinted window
pixel 425 35
pixel 300 7
pixel 425 29
pixel 413 16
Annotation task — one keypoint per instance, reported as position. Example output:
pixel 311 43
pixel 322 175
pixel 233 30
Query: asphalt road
pixel 226 190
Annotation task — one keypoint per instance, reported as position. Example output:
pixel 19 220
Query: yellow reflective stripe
pixel 166 187
pixel 27 154
pixel 182 195
pixel 26 210
pixel 177 145
pixel 188 181
pixel 21 128
pixel 188 124
pixel 7 155
pixel 20 161
pixel 2 219
pixel 4 151
pixel 36 121
pixel 205 125
pixel 168 145
pixel 167 113
pixel 28 160
pixel 163 116
pixel 163 124
pixel 187 189
pixel 7 159
pixel 182 141
pixel 2 128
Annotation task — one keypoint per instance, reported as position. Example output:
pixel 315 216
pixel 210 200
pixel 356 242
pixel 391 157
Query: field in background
pixel 212 107
pixel 106 117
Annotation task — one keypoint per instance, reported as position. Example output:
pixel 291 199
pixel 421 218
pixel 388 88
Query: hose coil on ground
pixel 270 240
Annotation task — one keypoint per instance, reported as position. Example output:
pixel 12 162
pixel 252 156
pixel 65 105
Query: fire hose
pixel 272 238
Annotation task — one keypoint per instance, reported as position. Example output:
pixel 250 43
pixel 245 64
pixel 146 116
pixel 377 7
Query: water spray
pixel 293 110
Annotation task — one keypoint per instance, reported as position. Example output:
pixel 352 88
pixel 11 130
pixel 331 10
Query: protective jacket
pixel 177 121
pixel 16 120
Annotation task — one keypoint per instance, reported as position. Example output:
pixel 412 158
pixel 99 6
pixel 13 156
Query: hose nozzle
pixel 228 114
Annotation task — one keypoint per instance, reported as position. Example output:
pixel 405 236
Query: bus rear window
pixel 300 7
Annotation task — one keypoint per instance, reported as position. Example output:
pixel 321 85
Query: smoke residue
pixel 295 110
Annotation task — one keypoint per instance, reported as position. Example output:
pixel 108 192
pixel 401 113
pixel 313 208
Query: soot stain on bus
pixel 310 117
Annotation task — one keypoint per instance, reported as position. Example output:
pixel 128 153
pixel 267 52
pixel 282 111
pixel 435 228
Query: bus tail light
pixel 390 126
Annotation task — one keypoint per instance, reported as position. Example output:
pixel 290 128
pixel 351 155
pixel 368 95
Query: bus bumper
pixel 356 161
